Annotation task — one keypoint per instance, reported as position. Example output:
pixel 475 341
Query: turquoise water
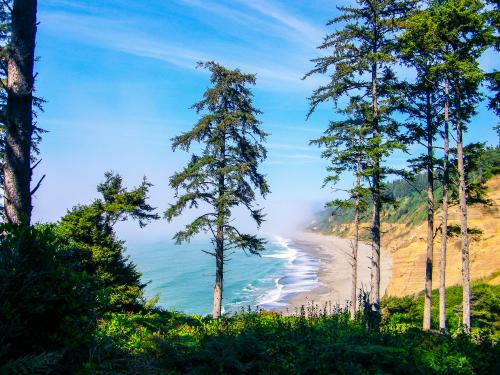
pixel 183 275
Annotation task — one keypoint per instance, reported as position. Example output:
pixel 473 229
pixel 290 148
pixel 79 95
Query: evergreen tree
pixel 90 229
pixel 360 65
pixel 345 145
pixel 18 58
pixel 462 25
pixel 419 48
pixel 224 175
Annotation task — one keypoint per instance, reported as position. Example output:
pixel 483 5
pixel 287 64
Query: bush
pixel 47 303
pixel 269 343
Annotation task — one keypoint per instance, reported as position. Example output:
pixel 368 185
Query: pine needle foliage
pixel 359 60
pixel 224 175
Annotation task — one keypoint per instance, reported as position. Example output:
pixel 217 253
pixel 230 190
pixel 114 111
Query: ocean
pixel 183 275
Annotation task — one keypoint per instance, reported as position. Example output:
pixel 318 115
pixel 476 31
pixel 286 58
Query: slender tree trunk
pixel 375 229
pixel 444 220
pixel 354 287
pixel 430 218
pixel 463 227
pixel 19 123
pixel 219 240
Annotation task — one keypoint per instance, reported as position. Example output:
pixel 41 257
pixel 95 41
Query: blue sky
pixel 119 77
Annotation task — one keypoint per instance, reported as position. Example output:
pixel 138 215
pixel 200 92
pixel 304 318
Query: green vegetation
pixel 404 312
pixel 408 196
pixel 89 229
pixel 225 175
pixel 310 341
pixel 72 302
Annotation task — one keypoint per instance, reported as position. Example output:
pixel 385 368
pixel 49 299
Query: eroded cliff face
pixel 407 246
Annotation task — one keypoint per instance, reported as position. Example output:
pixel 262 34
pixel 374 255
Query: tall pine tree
pixel 361 53
pixel 345 145
pixel 463 26
pixel 18 58
pixel 225 174
pixel 419 49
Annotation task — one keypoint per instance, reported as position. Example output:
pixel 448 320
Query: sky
pixel 119 78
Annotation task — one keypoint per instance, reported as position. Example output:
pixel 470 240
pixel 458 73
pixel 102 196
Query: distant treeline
pixel 407 196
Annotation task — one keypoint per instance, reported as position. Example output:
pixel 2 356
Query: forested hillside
pixel 407 197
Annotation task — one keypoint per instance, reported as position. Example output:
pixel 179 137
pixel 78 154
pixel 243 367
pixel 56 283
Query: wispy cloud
pixel 116 35
pixel 123 36
pixel 279 14
pixel 277 20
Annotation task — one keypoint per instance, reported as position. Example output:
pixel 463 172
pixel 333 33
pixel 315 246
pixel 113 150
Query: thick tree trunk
pixel 354 286
pixel 444 220
pixel 430 218
pixel 375 229
pixel 463 229
pixel 19 122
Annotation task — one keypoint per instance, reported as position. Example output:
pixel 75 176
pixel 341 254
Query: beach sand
pixel 334 272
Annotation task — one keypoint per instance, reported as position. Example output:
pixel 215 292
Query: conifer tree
pixel 462 25
pixel 344 145
pixel 18 58
pixel 445 134
pixel 419 49
pixel 362 53
pixel 90 230
pixel 225 173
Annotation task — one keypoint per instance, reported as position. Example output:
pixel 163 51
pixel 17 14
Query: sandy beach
pixel 334 273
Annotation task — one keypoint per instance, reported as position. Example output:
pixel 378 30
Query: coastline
pixel 334 272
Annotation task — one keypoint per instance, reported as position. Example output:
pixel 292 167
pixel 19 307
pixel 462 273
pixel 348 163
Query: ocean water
pixel 183 275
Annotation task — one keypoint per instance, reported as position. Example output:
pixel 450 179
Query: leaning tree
pixel 224 175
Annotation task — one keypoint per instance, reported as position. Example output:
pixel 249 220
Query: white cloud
pixel 294 23
pixel 123 36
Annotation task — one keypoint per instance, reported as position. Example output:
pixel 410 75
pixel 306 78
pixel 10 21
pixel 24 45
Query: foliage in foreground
pixel 313 341
pixel 270 343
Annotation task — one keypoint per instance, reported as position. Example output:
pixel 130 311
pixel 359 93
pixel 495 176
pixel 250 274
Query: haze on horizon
pixel 119 79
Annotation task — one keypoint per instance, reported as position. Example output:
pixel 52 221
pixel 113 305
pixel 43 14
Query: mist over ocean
pixel 183 275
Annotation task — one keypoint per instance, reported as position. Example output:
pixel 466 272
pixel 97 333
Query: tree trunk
pixel 354 287
pixel 444 220
pixel 430 218
pixel 375 229
pixel 19 122
pixel 219 240
pixel 219 273
pixel 463 229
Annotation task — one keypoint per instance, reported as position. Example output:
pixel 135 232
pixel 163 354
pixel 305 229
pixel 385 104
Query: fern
pixel 31 364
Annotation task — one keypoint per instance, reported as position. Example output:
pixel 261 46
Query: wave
pixel 300 274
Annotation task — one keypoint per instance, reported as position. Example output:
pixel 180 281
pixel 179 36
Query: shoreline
pixel 334 272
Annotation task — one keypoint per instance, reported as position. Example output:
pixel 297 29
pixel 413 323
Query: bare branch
pixel 37 185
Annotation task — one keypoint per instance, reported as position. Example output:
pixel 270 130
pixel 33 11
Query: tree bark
pixel 19 121
pixel 219 240
pixel 354 286
pixel 430 218
pixel 463 228
pixel 375 229
pixel 219 273
pixel 444 220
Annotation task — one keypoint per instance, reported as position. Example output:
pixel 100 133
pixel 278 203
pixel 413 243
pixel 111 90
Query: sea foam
pixel 300 274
